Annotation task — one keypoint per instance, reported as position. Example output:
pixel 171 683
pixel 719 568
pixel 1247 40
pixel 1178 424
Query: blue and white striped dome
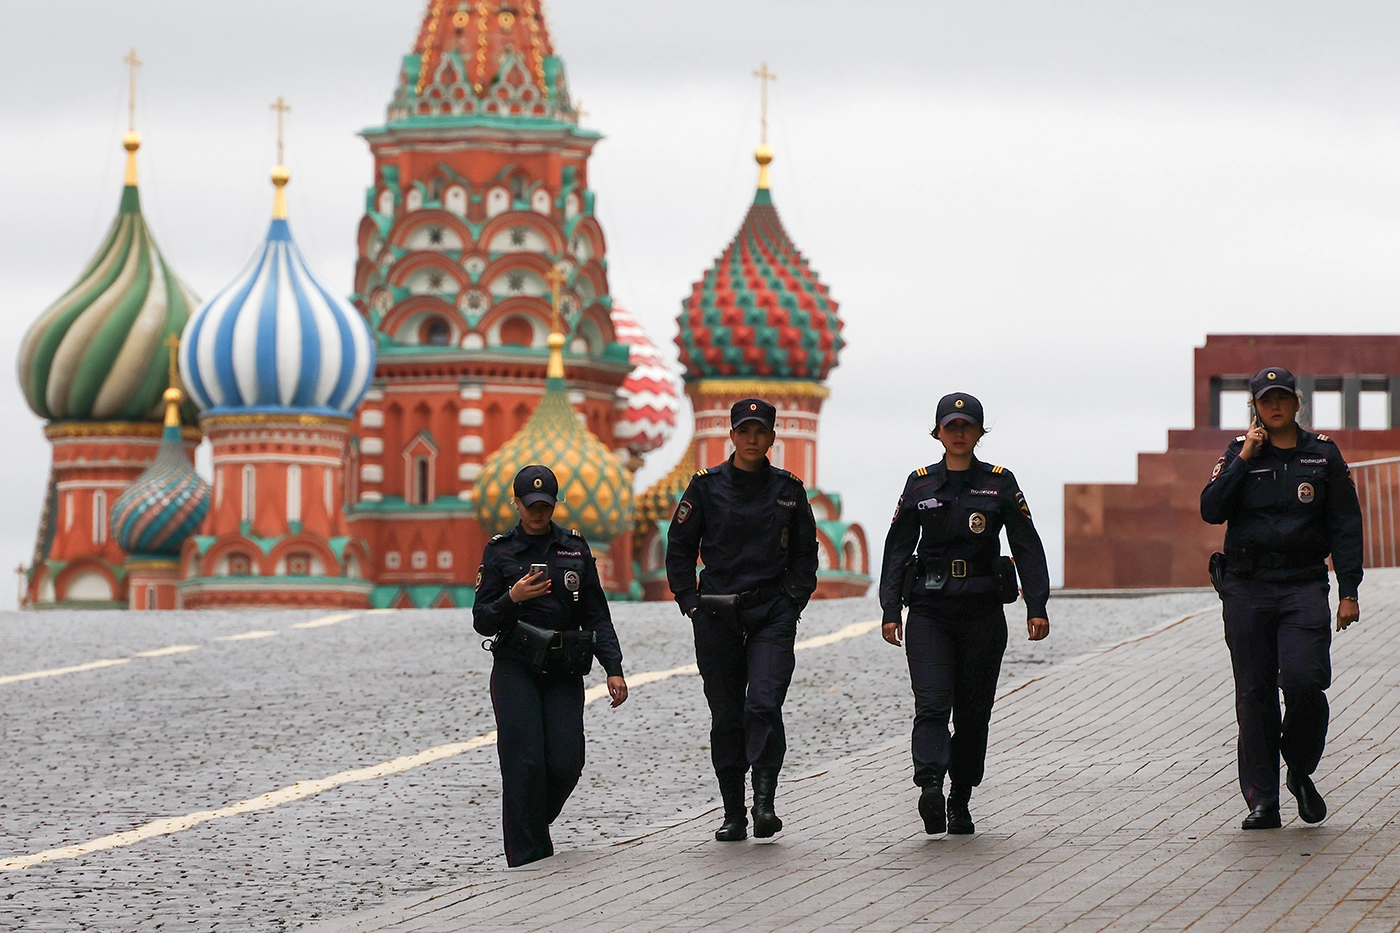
pixel 276 339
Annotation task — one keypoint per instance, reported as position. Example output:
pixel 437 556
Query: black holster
pixel 1006 580
pixel 1217 573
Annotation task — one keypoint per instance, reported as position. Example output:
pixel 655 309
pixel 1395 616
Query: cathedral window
pixel 99 517
pixel 436 333
pixel 294 493
pixel 250 493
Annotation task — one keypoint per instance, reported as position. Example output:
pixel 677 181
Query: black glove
pixel 688 601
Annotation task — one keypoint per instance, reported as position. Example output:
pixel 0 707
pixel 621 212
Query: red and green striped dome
pixel 760 311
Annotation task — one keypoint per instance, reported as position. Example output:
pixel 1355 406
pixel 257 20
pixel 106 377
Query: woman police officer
pixel 538 594
pixel 942 559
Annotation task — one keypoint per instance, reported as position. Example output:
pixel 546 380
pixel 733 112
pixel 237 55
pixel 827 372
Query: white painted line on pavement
pixel 165 652
pixel 246 636
pixel 326 620
pixel 303 789
pixel 56 671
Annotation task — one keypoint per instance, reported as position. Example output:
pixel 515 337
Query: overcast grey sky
pixel 1046 204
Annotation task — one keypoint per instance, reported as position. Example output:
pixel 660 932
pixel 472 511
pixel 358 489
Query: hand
pixel 892 632
pixel 1254 439
pixel 617 689
pixel 529 586
pixel 1037 628
pixel 1348 611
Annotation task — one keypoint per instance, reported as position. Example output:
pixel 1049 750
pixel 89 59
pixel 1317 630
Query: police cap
pixel 753 409
pixel 957 406
pixel 1274 377
pixel 536 483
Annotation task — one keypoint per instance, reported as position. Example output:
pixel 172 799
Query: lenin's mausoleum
pixel 363 444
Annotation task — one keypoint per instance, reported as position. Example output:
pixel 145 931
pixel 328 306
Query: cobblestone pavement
pixel 1111 804
pixel 225 718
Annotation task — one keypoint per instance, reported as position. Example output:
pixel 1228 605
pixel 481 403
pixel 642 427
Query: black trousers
pixel 539 738
pixel 954 646
pixel 1280 637
pixel 747 664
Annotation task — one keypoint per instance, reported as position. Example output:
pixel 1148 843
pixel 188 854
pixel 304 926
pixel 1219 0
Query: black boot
pixel 931 809
pixel 765 785
pixel 959 816
pixel 736 821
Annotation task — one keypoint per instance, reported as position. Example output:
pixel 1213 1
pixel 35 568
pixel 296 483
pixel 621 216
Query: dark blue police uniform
pixel 539 716
pixel 755 534
pixel 1285 511
pixel 941 559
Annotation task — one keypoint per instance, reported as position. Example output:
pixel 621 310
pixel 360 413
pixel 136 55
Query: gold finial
pixel 764 153
pixel 579 113
pixel 132 140
pixel 172 395
pixel 555 277
pixel 280 174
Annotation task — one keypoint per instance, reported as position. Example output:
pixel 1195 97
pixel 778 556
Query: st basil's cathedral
pixel 363 445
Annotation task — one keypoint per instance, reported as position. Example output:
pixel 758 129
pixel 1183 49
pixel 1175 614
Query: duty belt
pixel 759 594
pixel 957 568
pixel 1244 560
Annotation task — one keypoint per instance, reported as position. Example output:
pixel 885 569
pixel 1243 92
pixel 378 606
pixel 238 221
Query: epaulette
pixel 998 469
pixel 1242 437
pixel 921 471
pixel 700 473
pixel 495 538
pixel 575 532
pixel 789 474
pixel 1323 437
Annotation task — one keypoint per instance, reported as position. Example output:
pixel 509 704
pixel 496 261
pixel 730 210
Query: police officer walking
pixel 1287 499
pixel 751 526
pixel 538 595
pixel 943 560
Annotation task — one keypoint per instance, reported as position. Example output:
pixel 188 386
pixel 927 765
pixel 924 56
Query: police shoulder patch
pixel 1021 503
pixel 1219 465
pixel 480 572
pixel 683 512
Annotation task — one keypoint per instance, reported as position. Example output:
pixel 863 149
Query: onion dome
pixel 276 338
pixel 595 489
pixel 167 502
pixel 95 354
pixel 650 394
pixel 760 311
pixel 658 503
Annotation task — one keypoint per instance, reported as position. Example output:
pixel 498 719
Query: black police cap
pixel 1274 377
pixel 753 409
pixel 959 405
pixel 536 483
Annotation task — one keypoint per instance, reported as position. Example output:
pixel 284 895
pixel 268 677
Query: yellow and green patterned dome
pixel 595 489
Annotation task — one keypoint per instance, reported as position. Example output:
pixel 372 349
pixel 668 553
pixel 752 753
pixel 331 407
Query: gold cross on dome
pixel 556 277
pixel 281 108
pixel 764 75
pixel 133 63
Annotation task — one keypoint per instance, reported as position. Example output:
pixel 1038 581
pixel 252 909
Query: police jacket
pixel 1285 510
pixel 944 517
pixel 751 529
pixel 572 570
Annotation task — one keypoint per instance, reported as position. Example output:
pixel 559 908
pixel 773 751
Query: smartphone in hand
pixel 538 569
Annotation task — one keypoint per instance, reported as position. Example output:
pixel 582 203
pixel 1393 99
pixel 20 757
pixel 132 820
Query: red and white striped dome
pixel 652 391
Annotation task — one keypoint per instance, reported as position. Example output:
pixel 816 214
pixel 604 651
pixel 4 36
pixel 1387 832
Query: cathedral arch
pixel 587 236
pixel 416 232
pixel 411 321
pixel 539 234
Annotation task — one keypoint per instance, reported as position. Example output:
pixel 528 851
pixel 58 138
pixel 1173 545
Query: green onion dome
pixel 595 489
pixel 96 354
pixel 760 312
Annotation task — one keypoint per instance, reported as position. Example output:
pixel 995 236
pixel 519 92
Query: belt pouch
pixel 533 642
pixel 574 654
pixel 1006 580
pixel 723 608
pixel 935 580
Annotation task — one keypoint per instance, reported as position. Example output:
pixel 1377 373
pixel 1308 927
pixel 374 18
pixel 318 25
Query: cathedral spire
pixel 132 140
pixel 482 57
